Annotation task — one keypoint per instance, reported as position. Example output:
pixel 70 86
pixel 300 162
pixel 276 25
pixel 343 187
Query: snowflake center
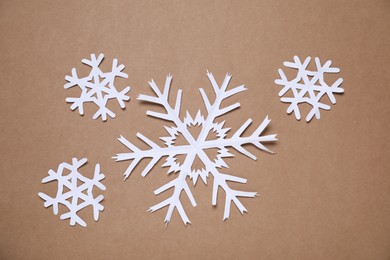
pixel 195 147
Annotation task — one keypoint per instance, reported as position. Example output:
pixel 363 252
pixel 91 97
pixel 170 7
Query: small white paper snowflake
pixel 196 147
pixel 308 87
pixel 97 87
pixel 76 192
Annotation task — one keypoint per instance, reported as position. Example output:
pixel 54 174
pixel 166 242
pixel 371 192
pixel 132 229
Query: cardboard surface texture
pixel 325 194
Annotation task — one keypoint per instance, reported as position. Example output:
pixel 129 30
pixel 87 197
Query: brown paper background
pixel 324 195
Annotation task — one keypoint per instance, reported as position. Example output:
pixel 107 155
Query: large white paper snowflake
pixel 308 87
pixel 97 87
pixel 196 147
pixel 83 191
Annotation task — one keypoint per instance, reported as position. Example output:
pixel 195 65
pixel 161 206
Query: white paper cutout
pixel 196 147
pixel 314 87
pixel 97 87
pixel 76 192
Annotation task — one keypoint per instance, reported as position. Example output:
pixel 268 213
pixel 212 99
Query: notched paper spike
pixel 167 86
pixel 311 90
pixel 195 148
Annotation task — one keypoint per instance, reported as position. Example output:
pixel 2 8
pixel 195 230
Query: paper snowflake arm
pixel 92 90
pixel 308 90
pixel 220 180
pixel 155 152
pixel 196 146
pixel 179 184
pixel 75 192
pixel 236 141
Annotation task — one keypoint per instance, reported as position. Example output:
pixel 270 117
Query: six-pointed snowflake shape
pixel 76 192
pixel 196 147
pixel 308 87
pixel 97 87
